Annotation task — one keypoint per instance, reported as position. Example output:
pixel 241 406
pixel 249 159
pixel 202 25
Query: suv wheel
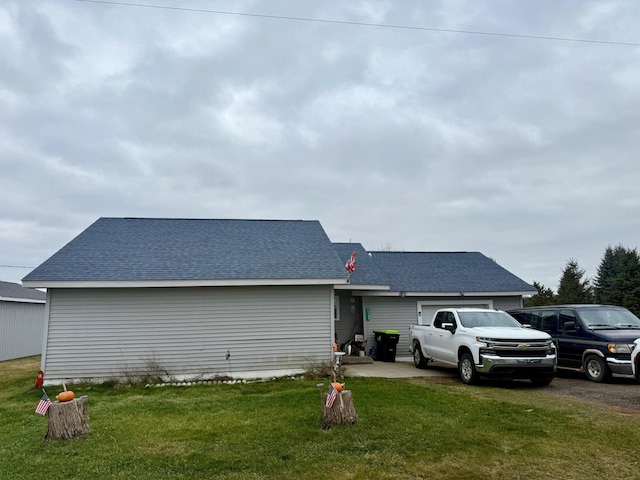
pixel 467 369
pixel 596 369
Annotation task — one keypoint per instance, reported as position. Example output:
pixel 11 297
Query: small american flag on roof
pixel 350 266
pixel 43 404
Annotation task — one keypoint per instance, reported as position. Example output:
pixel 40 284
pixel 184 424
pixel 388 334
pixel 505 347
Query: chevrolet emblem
pixel 523 345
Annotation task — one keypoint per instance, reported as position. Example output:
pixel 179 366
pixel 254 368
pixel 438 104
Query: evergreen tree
pixel 545 296
pixel 618 278
pixel 572 288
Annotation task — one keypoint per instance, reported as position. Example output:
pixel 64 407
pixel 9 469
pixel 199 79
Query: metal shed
pixel 22 321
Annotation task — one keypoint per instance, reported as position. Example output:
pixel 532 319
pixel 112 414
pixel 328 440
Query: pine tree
pixel 618 278
pixel 545 296
pixel 572 288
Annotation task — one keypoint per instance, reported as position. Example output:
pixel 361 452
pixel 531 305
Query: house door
pixel 347 317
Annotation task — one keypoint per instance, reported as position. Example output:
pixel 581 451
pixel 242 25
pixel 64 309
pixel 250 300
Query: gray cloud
pixel 522 149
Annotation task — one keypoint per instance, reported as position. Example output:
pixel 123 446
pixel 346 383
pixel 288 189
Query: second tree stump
pixel 341 412
pixel 68 419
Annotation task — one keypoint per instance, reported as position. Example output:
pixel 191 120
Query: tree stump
pixel 342 411
pixel 68 419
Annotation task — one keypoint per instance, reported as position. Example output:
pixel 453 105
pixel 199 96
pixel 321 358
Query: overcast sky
pixel 423 138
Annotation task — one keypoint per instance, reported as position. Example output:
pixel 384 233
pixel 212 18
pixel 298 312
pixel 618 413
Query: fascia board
pixel 21 300
pixel 441 294
pixel 184 283
pixel 362 287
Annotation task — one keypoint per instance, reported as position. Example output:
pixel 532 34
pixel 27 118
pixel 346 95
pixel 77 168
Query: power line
pixel 15 266
pixel 362 24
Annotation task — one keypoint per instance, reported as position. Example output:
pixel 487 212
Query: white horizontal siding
pixel 186 331
pixel 21 329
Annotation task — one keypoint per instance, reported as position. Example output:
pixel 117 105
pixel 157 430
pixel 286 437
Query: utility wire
pixel 14 266
pixel 363 24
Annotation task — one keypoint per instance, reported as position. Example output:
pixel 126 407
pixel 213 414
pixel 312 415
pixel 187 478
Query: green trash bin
pixel 386 342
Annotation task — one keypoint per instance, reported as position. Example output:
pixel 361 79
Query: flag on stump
pixel 43 405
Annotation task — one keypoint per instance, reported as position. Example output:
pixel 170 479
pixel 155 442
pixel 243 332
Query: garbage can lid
pixel 389 332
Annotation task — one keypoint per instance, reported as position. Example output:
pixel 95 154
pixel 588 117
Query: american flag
pixel 43 405
pixel 333 393
pixel 350 266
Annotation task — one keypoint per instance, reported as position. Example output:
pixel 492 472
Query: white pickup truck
pixel 483 342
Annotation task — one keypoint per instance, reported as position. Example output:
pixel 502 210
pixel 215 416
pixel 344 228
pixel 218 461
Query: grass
pixel 407 429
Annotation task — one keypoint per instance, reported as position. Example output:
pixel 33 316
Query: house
pixel 416 284
pixel 22 321
pixel 243 298
pixel 187 298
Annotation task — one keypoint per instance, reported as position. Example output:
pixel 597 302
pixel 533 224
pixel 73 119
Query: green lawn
pixel 406 429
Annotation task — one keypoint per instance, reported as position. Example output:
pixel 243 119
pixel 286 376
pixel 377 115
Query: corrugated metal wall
pixel 21 329
pixel 186 331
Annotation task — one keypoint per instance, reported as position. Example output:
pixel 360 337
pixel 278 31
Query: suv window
pixel 567 316
pixel 523 317
pixel 544 320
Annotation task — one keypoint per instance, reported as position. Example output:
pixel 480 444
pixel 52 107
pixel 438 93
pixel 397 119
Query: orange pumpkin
pixel 65 396
pixel 338 386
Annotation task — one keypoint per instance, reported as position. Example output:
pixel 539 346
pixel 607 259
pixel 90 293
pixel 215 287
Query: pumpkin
pixel 66 395
pixel 338 386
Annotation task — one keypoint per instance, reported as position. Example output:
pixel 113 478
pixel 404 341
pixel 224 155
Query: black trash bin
pixel 386 341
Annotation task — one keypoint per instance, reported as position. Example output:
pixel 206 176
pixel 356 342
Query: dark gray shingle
pixel 143 249
pixel 446 272
pixel 16 291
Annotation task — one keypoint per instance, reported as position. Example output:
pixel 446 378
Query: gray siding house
pixel 245 298
pixel 189 298
pixel 22 321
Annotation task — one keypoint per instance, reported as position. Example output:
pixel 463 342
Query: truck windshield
pixel 487 319
pixel 609 318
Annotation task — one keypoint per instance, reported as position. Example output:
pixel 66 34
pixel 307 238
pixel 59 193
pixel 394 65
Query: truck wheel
pixel 418 359
pixel 467 369
pixel 596 369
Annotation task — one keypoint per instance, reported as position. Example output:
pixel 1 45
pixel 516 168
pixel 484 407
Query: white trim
pixel 20 300
pixel 437 294
pixel 45 335
pixel 366 288
pixel 184 283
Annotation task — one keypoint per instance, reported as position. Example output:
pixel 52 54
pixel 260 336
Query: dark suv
pixel 595 339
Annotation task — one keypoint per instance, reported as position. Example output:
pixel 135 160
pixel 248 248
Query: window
pixel 567 316
pixel 336 308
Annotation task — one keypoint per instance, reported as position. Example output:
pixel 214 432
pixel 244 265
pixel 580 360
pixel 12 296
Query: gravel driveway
pixel 621 391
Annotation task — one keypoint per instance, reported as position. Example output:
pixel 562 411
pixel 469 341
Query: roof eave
pixel 362 287
pixel 185 283
pixel 21 300
pixel 396 293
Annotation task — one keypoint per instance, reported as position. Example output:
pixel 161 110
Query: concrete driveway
pixel 397 369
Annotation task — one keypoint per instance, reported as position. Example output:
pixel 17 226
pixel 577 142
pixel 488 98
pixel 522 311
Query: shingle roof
pixel 145 249
pixel 446 272
pixel 14 291
pixel 367 272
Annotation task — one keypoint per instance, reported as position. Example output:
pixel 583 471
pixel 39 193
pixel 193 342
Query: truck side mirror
pixel 449 327
pixel 570 325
